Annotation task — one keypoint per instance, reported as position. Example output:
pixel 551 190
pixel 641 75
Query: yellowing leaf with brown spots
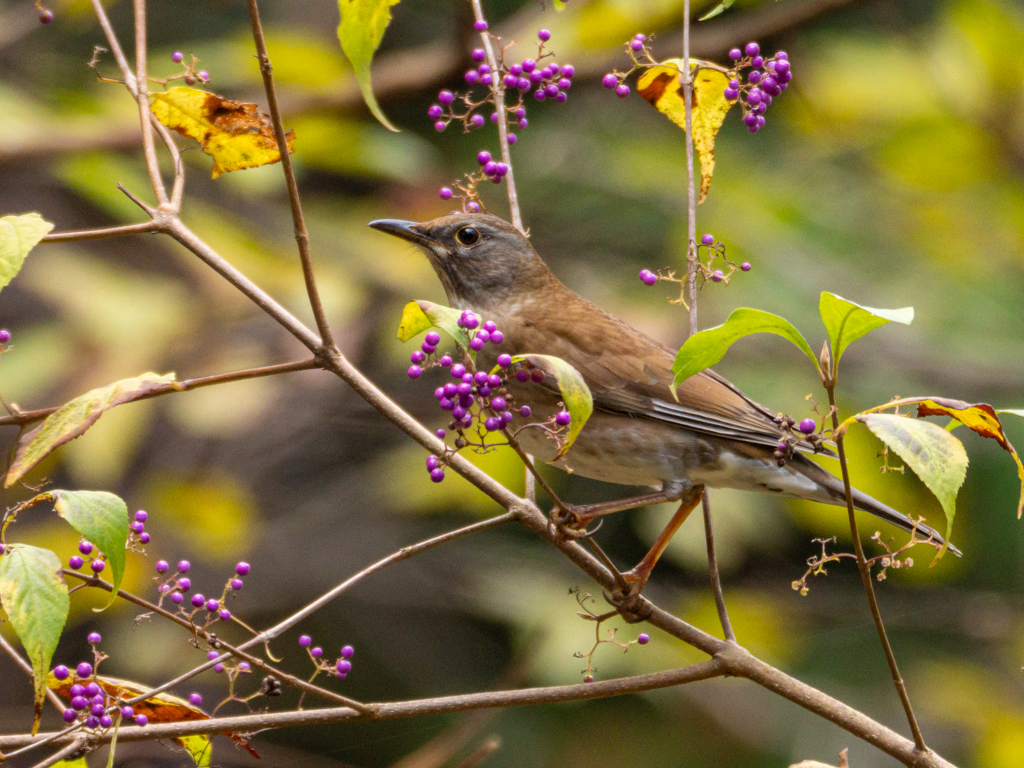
pixel 235 133
pixel 660 86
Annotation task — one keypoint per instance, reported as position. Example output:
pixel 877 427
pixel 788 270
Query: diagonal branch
pixel 301 235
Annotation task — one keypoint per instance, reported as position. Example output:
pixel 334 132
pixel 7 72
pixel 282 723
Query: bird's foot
pixel 565 523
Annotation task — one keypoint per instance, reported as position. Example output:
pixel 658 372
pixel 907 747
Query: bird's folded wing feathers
pixel 631 373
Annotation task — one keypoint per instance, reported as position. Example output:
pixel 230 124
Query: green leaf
pixel 936 457
pixel 198 748
pixel 103 519
pixel 361 29
pixel 18 236
pixel 419 316
pixel 579 402
pixel 75 417
pixel 707 347
pixel 720 8
pixel 35 598
pixel 846 322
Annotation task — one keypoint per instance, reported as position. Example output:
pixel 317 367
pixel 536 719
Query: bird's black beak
pixel 403 229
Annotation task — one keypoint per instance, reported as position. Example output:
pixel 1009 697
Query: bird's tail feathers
pixel 836 491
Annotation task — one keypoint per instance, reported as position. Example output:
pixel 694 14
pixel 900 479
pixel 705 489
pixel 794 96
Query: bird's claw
pixel 630 606
pixel 565 526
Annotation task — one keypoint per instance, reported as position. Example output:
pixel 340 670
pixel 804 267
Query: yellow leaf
pixel 660 86
pixel 235 133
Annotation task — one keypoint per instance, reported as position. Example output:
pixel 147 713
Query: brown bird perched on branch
pixel 710 434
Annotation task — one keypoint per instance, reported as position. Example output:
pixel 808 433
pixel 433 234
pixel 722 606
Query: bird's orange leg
pixel 638 576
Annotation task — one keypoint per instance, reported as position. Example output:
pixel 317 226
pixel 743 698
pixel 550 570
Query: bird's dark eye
pixel 468 236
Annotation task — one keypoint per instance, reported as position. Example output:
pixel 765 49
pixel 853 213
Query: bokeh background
pixel 890 172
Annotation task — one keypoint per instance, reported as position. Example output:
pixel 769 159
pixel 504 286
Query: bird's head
pixel 482 260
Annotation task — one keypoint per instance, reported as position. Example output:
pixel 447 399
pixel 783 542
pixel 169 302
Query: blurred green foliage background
pixel 890 172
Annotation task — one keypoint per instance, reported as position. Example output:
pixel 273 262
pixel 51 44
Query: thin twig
pixel 417 708
pixel 27 417
pixel 77 744
pixel 498 90
pixel 142 97
pixel 865 577
pixel 716 581
pixel 27 668
pixel 256 661
pixel 299 221
pixel 97 234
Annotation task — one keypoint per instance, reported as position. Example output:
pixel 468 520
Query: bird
pixel 643 431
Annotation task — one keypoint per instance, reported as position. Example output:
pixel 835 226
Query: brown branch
pixel 299 221
pixel 97 234
pixel 27 417
pixel 142 97
pixel 716 580
pixel 865 576
pixel 415 708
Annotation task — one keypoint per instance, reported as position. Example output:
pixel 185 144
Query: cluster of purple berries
pixel 179 583
pixel 768 78
pixel 96 561
pixel 784 449
pixel 90 703
pixel 479 335
pixel 614 81
pixel 191 75
pixel 242 666
pixel 340 668
pixel 714 250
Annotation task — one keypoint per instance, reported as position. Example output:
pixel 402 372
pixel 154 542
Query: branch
pixel 27 668
pixel 301 235
pixel 97 234
pixel 27 417
pixel 394 710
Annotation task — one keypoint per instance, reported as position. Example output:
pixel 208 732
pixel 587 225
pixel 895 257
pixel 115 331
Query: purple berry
pixel 477 121
pixel 76 690
pixel 92 639
pixel 177 57
pixel 96 710
pixel 483 336
pixel 190 80
pixel 472 77
pixel 539 94
pixel 622 91
pixel 754 77
pixel 807 426
pixel 236 584
pixel 203 75
pixel 435 112
pixel 525 411
pixel 437 475
pixel 415 371
pixel 61 672
pixel 92 722
pixel 563 418
pixel 69 715
pixel 523 84
pixel 610 81
pixel 84 669
pixel 636 45
pixel 473 207
pixel 492 424
pixel 92 690
pixel 445 193
pixel 141 720
pixel 97 566
pixel 708 239
pixel 648 277
pixel 218 668
pixel 735 54
pixel 142 516
pixel 177 598
pixel 504 360
pixel 731 94
pixel 85 547
pixel 446 97
pixel 643 638
pixel 717 276
pixel 753 49
pixel 184 584
pixel 588 679
pixel 127 713
pixel 544 35
pixel 551 90
pixel 45 17
pixel 137 526
pixel 184 565
pixel 480 26
pixel 224 614
pixel 445 361
pixel 212 605
pixel 745 266
pixel 478 54
pixel 418 357
pixel 144 538
pixel 198 600
pixel 440 125
pixel 499 404
pixel 458 371
pixel 75 562
pixel 476 344
pixel 782 67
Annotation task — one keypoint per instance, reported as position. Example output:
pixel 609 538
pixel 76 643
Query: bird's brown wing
pixel 629 372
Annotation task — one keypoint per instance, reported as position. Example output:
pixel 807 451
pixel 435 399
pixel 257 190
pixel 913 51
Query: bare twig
pixel 77 744
pixel 27 417
pixel 416 708
pixel 498 90
pixel 142 97
pixel 97 234
pixel 865 576
pixel 299 221
pixel 716 580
